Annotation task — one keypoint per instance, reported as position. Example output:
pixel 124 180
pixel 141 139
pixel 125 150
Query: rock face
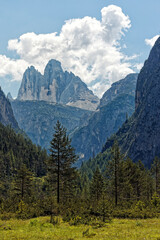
pixel 9 96
pixel 115 104
pixel 139 138
pixel 38 118
pixel 31 85
pixel 124 86
pixel 56 86
pixel 6 112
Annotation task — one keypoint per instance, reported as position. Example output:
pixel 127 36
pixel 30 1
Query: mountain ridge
pixel 6 112
pixel 56 86
pixel 139 138
pixel 111 114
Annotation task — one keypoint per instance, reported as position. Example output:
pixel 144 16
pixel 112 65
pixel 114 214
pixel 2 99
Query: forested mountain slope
pixel 139 138
pixel 6 112
pixel 116 105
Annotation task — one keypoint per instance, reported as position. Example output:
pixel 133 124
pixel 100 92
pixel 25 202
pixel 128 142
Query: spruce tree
pixel 61 173
pixel 22 183
pixel 113 171
pixel 97 186
pixel 96 190
pixel 155 169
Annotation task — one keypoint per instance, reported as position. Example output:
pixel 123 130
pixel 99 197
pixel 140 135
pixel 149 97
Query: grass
pixel 40 228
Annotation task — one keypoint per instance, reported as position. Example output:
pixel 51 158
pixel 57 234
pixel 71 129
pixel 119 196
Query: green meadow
pixel 40 228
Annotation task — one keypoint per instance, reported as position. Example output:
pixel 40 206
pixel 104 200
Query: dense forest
pixel 110 185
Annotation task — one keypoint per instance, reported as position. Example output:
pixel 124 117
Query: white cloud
pixel 15 68
pixel 88 47
pixel 114 22
pixel 127 58
pixel 138 66
pixel 151 41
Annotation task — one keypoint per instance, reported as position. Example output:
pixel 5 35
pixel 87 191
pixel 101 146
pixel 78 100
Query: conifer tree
pixel 97 185
pixel 23 183
pixel 85 186
pixel 116 158
pixel 3 178
pixel 155 168
pixel 61 172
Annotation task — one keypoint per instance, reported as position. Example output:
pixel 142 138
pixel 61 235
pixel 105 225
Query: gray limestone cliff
pixel 116 104
pixel 31 85
pixel 139 138
pixel 56 86
pixel 124 86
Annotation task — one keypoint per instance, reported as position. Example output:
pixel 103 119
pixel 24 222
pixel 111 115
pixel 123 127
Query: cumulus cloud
pixel 138 66
pixel 114 22
pixel 88 47
pixel 151 41
pixel 15 68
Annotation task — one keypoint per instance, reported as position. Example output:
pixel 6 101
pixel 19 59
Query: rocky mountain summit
pixel 88 130
pixel 124 86
pixel 9 96
pixel 6 112
pixel 139 138
pixel 115 106
pixel 56 86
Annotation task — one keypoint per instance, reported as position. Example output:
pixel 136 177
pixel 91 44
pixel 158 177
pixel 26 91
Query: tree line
pixel 33 183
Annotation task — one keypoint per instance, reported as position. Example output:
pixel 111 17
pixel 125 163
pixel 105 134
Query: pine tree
pixel 97 186
pixel 85 186
pixel 155 169
pixel 23 183
pixel 113 170
pixel 3 178
pixel 61 173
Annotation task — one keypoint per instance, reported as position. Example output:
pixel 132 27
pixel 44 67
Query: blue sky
pixel 126 45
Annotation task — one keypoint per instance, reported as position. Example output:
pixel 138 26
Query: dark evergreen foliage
pixel 61 173
pixel 15 149
pixel 110 185
pixel 96 186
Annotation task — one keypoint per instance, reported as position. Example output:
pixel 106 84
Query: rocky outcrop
pixel 6 112
pixel 32 82
pixel 124 86
pixel 139 138
pixel 56 86
pixel 112 113
pixel 9 96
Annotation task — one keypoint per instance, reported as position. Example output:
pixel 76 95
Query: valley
pixel 76 166
pixel 122 229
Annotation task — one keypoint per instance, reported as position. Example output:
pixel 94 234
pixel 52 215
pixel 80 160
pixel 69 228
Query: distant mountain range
pixel 44 99
pixel 139 138
pixel 116 105
pixel 38 118
pixel 56 86
pixel 121 87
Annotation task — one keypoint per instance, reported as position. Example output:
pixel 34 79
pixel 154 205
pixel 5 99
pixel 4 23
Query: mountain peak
pixel 151 66
pixel 30 69
pixel 123 86
pixel 6 112
pixel 31 84
pixel 9 96
pixel 139 138
pixel 154 55
pixel 56 86
pixel 54 66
